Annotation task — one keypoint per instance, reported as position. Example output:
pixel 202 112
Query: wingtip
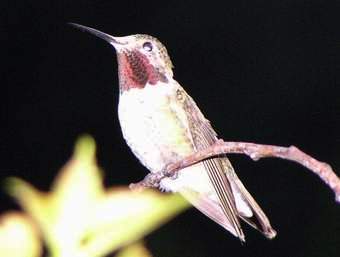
pixel 271 233
pixel 242 239
pixel 241 235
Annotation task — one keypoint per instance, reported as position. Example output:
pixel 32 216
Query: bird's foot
pixel 170 171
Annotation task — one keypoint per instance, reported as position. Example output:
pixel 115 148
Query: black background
pixel 261 71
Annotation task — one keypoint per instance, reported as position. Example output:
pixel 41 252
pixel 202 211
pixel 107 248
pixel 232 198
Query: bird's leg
pixel 171 170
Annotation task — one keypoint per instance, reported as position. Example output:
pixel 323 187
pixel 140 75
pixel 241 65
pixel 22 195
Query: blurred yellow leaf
pixel 18 236
pixel 79 218
pixel 125 216
pixel 134 250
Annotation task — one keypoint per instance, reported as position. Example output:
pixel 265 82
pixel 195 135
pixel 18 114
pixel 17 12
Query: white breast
pixel 146 122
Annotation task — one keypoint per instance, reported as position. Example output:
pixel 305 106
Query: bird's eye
pixel 147 46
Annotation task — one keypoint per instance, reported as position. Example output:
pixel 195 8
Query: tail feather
pixel 210 208
pixel 258 220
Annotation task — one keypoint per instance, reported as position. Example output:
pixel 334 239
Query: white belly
pixel 150 127
pixel 157 138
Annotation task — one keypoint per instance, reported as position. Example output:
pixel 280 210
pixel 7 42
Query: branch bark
pixel 255 152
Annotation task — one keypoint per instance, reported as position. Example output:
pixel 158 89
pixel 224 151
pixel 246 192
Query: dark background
pixel 261 71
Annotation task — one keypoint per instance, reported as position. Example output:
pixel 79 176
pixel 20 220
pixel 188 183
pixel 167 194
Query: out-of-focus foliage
pixel 134 250
pixel 79 218
pixel 18 236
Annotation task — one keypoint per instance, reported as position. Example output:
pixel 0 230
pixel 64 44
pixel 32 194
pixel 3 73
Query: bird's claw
pixel 170 172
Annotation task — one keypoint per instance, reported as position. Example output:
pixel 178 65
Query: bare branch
pixel 255 152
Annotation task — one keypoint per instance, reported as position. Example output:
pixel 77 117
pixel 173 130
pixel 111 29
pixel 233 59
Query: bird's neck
pixel 135 71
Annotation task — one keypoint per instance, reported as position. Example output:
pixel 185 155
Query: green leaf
pixel 79 218
pixel 134 250
pixel 125 216
pixel 17 228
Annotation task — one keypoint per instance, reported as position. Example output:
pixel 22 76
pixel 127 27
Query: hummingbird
pixel 162 124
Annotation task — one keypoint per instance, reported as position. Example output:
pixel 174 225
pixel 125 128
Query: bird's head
pixel 142 58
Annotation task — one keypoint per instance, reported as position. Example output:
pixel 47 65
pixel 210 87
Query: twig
pixel 255 152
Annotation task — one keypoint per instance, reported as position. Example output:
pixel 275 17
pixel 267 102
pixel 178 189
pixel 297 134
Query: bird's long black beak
pixel 108 38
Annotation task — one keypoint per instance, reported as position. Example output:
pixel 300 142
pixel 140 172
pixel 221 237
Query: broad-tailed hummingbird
pixel 162 124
